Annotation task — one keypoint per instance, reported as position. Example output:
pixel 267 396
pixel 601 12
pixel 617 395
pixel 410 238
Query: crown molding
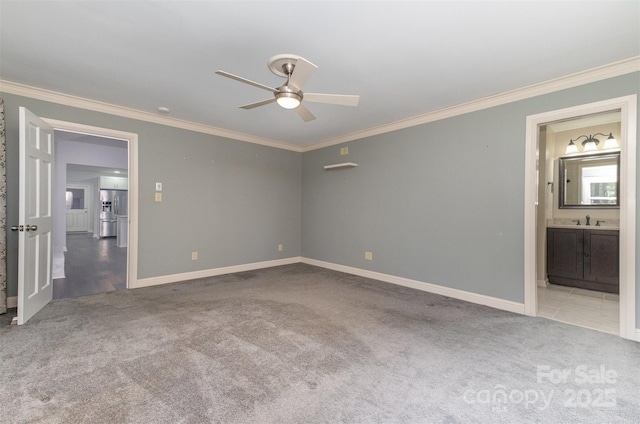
pixel 125 112
pixel 610 70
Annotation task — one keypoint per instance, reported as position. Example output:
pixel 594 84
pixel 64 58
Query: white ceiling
pixel 87 173
pixel 90 139
pixel 586 121
pixel 404 59
pixel 83 173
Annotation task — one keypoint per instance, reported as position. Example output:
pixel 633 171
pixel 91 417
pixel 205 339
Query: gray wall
pixel 231 201
pixel 431 202
pixel 442 202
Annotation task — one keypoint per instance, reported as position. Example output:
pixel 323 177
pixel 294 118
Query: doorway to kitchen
pixel 90 161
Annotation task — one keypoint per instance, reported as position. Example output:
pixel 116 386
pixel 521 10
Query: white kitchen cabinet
pixel 114 183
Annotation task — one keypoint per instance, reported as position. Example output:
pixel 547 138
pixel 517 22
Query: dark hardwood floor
pixel 91 266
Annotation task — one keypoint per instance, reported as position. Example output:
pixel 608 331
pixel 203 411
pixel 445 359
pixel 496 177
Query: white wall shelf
pixel 341 165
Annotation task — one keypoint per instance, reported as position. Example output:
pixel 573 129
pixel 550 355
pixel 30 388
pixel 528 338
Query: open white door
pixel 35 286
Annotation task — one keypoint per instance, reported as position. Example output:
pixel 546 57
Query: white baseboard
pixel 480 299
pixel 432 288
pixel 164 279
pixel 12 302
pixel 542 283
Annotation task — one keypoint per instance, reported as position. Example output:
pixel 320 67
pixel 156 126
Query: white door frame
pixel 132 138
pixel 628 107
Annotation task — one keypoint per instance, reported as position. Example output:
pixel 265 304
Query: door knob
pixel 17 228
pixel 30 227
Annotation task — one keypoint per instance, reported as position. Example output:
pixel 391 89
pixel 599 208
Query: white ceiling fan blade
pixel 334 99
pixel 301 73
pixel 257 104
pixel 246 81
pixel 304 113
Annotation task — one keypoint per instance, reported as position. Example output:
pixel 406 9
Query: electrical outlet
pixel 368 256
pixel 344 151
pixel 158 197
pixel 194 256
pixel 279 248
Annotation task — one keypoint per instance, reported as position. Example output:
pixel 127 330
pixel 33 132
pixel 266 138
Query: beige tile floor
pixel 585 308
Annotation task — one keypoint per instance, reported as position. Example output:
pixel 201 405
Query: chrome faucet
pixel 588 218
pixel 577 221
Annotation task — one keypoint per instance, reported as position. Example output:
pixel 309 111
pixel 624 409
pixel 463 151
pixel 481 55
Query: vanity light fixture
pixel 590 143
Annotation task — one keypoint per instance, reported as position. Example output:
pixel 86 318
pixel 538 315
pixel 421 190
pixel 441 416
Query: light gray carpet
pixel 299 344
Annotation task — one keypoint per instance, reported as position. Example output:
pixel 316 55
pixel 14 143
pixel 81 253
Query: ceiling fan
pixel 297 71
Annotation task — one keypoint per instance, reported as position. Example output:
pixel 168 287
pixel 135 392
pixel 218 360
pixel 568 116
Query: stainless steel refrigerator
pixel 112 204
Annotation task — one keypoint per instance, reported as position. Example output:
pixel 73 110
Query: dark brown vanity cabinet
pixel 584 258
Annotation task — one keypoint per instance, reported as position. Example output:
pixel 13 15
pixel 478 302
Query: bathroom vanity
pixel 584 257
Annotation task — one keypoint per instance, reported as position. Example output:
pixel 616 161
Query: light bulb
pixel 288 102
pixel 590 145
pixel 610 142
pixel 571 148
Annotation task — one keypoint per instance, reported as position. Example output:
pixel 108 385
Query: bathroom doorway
pixel 578 221
pixel 537 190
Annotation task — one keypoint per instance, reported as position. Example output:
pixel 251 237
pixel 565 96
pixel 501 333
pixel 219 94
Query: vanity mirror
pixel 590 181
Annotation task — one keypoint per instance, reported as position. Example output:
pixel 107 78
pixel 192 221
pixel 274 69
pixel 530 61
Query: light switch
pixel 158 197
pixel 158 186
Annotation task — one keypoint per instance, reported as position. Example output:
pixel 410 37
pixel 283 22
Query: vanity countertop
pixel 584 227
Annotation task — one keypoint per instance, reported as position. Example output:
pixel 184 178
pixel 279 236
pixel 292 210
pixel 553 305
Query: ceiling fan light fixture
pixel 288 100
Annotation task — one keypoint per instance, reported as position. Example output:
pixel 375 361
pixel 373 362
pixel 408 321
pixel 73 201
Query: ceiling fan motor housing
pixel 288 67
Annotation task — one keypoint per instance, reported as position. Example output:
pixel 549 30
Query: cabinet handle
pixel 586 255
